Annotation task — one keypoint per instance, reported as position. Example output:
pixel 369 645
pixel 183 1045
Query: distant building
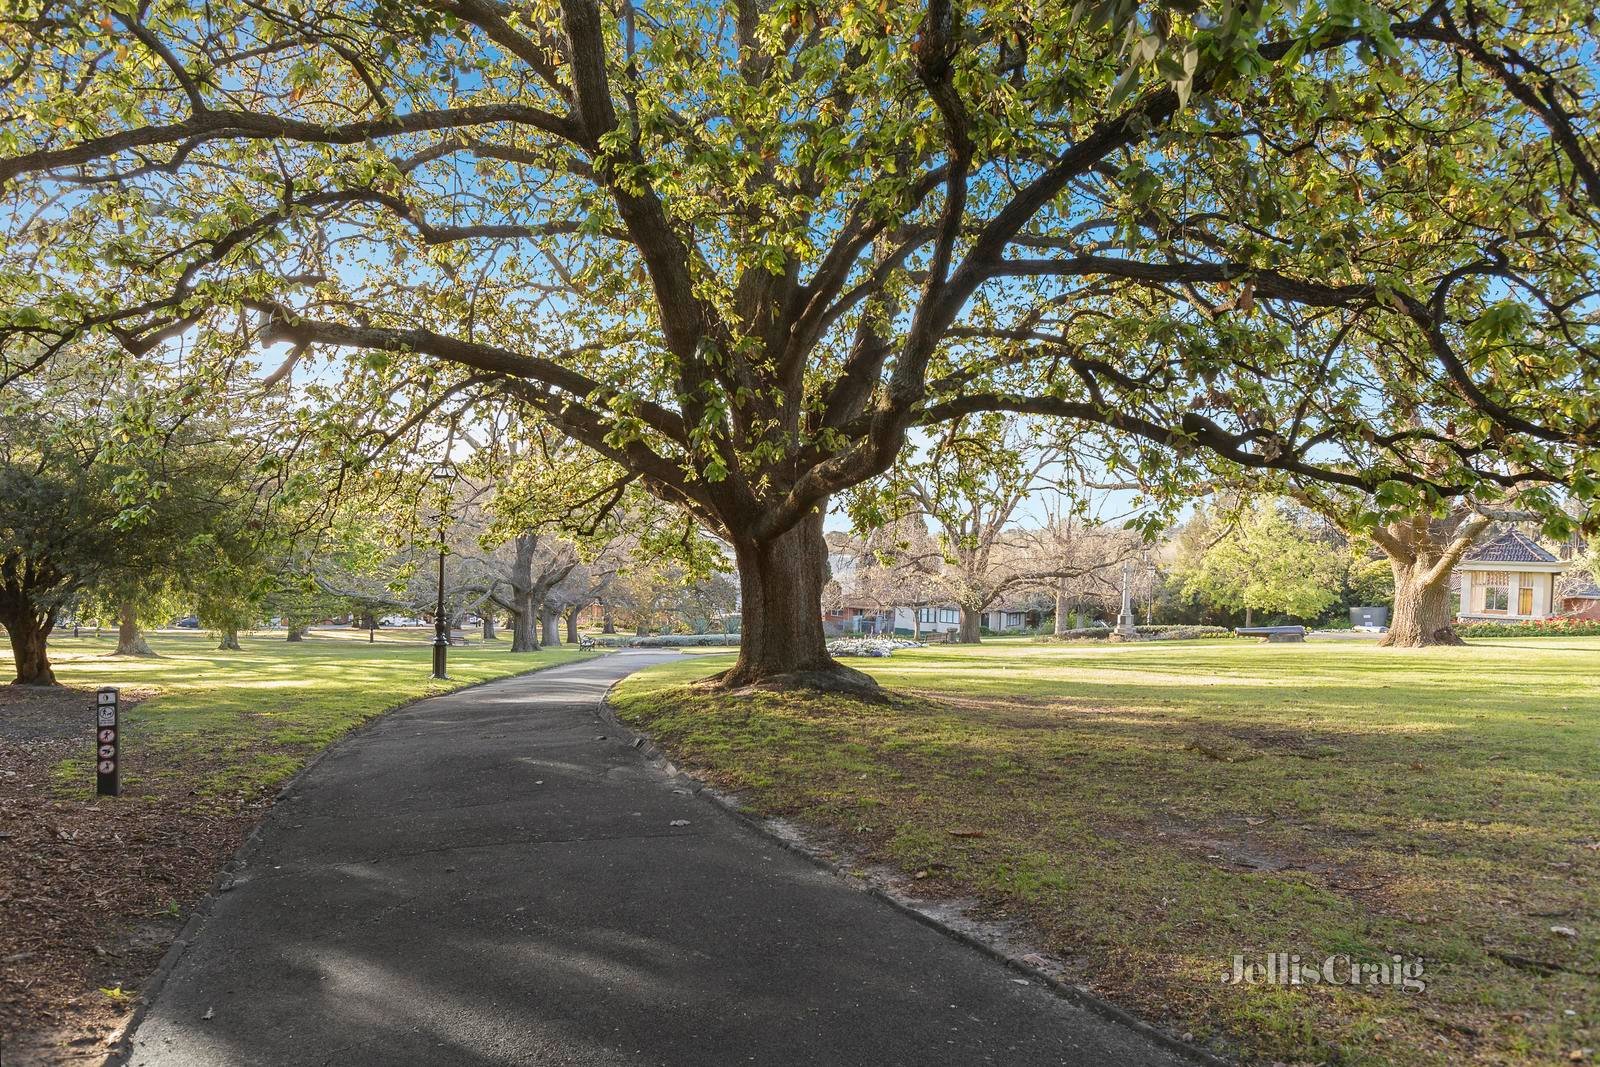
pixel 873 619
pixel 1580 597
pixel 1510 578
pixel 1011 617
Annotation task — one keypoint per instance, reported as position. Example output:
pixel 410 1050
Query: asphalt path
pixel 497 877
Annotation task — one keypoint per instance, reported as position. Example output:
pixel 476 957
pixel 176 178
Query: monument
pixel 1125 627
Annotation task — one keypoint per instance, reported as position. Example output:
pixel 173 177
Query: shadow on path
pixel 483 878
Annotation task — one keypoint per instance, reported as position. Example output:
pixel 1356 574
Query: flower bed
pixel 1539 628
pixel 1177 632
pixel 670 641
pixel 869 646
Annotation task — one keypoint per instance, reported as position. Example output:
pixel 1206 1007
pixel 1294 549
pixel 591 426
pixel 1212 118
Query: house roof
pixel 1509 547
pixel 1580 586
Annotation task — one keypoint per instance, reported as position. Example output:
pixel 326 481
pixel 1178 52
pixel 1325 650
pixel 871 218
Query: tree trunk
pixel 130 639
pixel 524 624
pixel 230 640
pixel 1062 622
pixel 971 627
pixel 572 623
pixel 1248 615
pixel 1421 613
pixel 781 640
pixel 29 631
pixel 608 624
pixel 552 633
pixel 1422 554
pixel 296 630
pixel 488 627
pixel 916 624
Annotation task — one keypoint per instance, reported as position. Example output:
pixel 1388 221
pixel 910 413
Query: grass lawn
pixel 92 889
pixel 1153 810
pixel 239 721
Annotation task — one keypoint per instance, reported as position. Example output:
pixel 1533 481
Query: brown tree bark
pixel 230 640
pixel 488 627
pixel 296 630
pixel 524 624
pixel 28 631
pixel 1421 614
pixel 552 632
pixel 1422 554
pixel 572 623
pixel 971 632
pixel 130 639
pixel 781 640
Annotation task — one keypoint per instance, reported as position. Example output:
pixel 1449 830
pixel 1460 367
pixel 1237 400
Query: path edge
pixel 122 1048
pixel 733 809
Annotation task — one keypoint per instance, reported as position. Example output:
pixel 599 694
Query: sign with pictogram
pixel 107 770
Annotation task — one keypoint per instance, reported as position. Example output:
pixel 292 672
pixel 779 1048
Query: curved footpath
pixel 483 878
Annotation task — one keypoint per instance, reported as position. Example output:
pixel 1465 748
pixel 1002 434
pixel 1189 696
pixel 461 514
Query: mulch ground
pixel 92 890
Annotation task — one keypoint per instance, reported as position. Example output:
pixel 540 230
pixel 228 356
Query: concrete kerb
pixel 121 1044
pixel 731 807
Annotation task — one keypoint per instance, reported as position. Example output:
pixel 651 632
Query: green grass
pixel 1154 809
pixel 230 723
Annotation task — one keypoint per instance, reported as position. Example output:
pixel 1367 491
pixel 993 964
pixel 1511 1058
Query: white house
pixel 1511 578
pixel 865 618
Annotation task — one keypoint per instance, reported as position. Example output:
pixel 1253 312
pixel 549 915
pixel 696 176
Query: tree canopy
pixel 742 249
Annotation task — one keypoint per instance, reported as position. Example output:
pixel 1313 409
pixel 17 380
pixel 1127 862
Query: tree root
pixel 836 679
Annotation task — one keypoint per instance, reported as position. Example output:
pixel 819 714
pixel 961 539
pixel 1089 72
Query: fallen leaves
pixel 91 889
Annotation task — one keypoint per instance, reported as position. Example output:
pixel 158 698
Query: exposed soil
pixel 92 890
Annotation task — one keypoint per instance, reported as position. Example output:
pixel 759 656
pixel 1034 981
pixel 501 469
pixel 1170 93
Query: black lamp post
pixel 444 474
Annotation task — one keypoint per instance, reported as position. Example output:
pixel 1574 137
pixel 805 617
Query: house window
pixel 1013 618
pixel 928 615
pixel 1496 591
pixel 949 615
pixel 1525 600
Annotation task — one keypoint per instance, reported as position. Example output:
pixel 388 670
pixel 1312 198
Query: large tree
pixel 742 249
pixel 971 485
pixel 1260 559
pixel 100 486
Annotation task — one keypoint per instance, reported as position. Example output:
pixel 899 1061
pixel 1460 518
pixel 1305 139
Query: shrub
pixel 1179 632
pixel 671 641
pixel 1182 632
pixel 1539 628
pixel 1084 633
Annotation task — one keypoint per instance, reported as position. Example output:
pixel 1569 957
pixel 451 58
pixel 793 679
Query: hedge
pixel 1539 628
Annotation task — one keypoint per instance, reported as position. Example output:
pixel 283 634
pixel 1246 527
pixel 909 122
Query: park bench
pixel 1273 633
pixel 585 643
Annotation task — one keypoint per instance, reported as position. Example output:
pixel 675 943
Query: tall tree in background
pixel 1262 561
pixel 743 250
pixel 970 485
pixel 98 484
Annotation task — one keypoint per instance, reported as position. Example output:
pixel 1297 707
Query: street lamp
pixel 444 473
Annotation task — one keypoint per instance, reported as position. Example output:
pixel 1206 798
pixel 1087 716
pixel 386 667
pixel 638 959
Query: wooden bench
pixel 1273 633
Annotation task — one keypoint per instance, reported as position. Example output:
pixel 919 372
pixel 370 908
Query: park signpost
pixel 108 771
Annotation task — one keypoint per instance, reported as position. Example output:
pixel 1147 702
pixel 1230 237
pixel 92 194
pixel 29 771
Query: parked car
pixel 188 622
